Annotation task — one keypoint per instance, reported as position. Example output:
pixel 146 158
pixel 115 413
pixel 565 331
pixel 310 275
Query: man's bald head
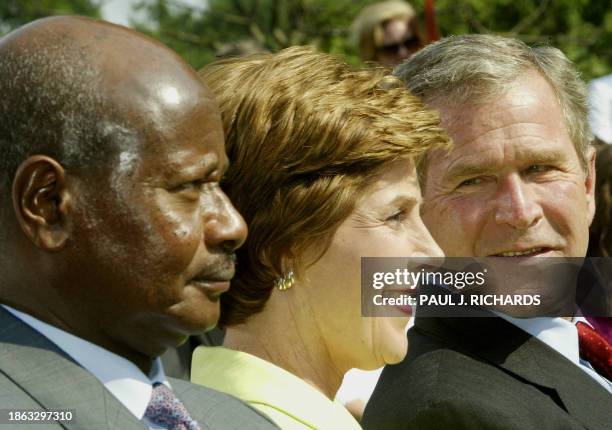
pixel 111 150
pixel 76 89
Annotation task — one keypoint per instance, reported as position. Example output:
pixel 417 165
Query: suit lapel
pixel 583 397
pixel 516 352
pixel 55 381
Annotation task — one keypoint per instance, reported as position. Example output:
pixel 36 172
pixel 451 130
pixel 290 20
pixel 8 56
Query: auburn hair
pixel 305 136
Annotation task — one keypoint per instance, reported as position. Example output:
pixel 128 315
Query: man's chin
pixel 196 316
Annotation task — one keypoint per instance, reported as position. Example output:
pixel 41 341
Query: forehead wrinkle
pixel 387 193
pixel 490 131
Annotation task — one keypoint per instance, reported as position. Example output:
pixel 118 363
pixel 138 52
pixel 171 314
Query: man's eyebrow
pixel 531 156
pixel 466 170
pixel 478 168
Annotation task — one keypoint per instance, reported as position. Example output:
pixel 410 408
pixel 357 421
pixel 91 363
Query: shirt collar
pixel 120 376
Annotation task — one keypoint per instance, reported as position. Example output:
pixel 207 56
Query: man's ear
pixel 590 182
pixel 40 202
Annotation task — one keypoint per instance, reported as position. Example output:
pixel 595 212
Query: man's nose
pixel 226 227
pixel 516 205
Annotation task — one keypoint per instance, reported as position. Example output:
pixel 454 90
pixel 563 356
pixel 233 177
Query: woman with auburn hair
pixel 322 168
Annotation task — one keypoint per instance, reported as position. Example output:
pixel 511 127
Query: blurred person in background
pixel 239 48
pixel 323 170
pixel 387 33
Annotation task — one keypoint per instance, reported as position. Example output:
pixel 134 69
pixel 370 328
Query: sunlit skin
pixel 513 181
pixel 315 329
pixel 133 255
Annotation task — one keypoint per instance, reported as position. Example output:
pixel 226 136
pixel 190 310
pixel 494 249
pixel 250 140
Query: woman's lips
pixel 407 310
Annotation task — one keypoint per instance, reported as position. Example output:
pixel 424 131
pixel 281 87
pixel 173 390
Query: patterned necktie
pixel 167 411
pixel 595 349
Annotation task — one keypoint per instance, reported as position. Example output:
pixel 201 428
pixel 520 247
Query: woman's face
pixel 385 223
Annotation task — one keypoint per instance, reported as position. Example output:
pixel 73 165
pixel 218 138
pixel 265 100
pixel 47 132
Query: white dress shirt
pixel 562 336
pixel 558 333
pixel 120 376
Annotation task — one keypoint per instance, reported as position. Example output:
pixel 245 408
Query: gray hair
pixel 478 67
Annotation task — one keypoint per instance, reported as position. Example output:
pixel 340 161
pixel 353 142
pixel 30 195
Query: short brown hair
pixel 305 136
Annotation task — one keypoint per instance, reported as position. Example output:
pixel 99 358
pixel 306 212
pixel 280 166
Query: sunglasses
pixel 411 43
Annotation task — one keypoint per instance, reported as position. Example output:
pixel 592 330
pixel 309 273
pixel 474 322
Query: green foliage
pixel 15 13
pixel 272 24
pixel 581 28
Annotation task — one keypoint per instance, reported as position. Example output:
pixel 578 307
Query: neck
pixel 80 329
pixel 289 340
pixel 46 295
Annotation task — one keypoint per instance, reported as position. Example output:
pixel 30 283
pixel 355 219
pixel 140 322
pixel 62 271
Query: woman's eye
pixel 398 216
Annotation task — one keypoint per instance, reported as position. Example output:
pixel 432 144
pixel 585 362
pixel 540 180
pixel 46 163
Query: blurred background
pixel 201 30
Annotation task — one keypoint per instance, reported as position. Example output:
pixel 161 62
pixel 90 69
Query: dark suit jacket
pixel 484 373
pixel 35 374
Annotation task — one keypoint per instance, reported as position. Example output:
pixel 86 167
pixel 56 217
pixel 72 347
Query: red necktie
pixel 595 349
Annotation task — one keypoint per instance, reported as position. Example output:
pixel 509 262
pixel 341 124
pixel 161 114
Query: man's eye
pixel 539 168
pixel 471 181
pixel 193 188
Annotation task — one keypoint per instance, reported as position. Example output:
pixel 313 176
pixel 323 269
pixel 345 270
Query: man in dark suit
pixel 116 240
pixel 519 183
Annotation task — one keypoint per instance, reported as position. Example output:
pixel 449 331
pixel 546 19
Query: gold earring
pixel 285 282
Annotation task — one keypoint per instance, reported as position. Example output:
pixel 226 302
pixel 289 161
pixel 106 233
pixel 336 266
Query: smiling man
pixel 518 182
pixel 116 239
